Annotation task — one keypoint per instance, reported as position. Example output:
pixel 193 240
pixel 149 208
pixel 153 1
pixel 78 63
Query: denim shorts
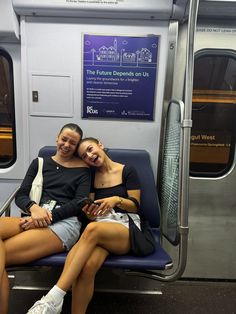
pixel 67 230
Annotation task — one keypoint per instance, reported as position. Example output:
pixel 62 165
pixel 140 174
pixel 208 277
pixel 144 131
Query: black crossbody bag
pixel 142 242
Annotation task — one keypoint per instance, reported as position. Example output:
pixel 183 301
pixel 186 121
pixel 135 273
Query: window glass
pixel 7 113
pixel 213 113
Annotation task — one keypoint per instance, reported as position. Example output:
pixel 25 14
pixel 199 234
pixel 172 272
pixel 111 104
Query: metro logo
pixel 91 110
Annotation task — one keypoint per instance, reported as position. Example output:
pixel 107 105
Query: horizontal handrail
pixel 6 206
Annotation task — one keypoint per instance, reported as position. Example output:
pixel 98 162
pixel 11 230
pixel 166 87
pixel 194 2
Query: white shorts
pixel 120 218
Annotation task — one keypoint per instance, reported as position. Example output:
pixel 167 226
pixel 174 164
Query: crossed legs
pixel 87 256
pixel 113 237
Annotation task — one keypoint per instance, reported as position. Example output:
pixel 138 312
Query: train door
pixel 212 219
pixel 212 161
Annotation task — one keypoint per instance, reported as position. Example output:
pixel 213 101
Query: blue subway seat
pixel 159 260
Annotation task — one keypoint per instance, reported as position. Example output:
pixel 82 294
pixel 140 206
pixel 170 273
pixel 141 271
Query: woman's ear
pixel 100 145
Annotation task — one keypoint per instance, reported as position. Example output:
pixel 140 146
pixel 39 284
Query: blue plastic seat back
pixel 140 160
pixel 47 151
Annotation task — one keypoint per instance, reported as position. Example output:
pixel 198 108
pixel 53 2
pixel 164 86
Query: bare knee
pixel 9 227
pixel 2 236
pixel 91 232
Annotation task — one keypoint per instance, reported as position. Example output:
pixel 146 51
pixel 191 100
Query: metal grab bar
pixel 186 125
pixel 185 151
pixel 5 208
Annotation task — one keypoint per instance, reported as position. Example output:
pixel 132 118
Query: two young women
pixel 66 180
pixel 116 191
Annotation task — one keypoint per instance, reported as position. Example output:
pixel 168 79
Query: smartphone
pixel 86 201
pixel 49 205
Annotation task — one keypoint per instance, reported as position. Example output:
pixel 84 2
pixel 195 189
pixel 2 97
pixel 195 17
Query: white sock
pixel 57 294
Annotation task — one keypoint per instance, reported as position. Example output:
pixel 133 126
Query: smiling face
pixel 92 153
pixel 67 142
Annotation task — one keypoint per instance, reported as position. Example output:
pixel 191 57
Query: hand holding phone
pixel 86 201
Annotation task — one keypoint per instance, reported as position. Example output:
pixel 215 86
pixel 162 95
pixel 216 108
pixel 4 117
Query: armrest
pixel 5 208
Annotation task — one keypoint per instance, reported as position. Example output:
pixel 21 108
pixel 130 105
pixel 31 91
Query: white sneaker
pixel 46 305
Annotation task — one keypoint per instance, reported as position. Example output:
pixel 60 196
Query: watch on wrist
pixel 28 206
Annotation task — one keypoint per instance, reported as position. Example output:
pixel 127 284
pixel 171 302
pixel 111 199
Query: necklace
pixel 57 163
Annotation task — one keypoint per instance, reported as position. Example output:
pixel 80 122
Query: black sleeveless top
pixel 130 181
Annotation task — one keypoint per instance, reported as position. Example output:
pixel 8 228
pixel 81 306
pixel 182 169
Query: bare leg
pixel 111 236
pixel 4 294
pixel 31 245
pixel 9 226
pixel 83 287
pixel 20 247
pixel 2 260
pixel 4 285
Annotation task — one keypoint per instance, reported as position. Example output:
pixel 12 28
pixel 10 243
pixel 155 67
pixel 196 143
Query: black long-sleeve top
pixel 67 186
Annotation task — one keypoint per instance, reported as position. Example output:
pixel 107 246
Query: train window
pixel 7 113
pixel 213 113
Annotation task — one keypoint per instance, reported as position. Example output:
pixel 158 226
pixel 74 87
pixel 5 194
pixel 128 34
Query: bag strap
pixel 135 201
pixel 130 219
pixel 40 168
pixel 40 164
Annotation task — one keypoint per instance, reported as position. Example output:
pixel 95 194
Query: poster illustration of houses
pixel 119 76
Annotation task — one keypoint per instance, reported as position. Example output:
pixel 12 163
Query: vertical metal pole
pixel 192 20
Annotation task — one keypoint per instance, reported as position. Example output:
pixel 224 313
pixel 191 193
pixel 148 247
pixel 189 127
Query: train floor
pixel 118 293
